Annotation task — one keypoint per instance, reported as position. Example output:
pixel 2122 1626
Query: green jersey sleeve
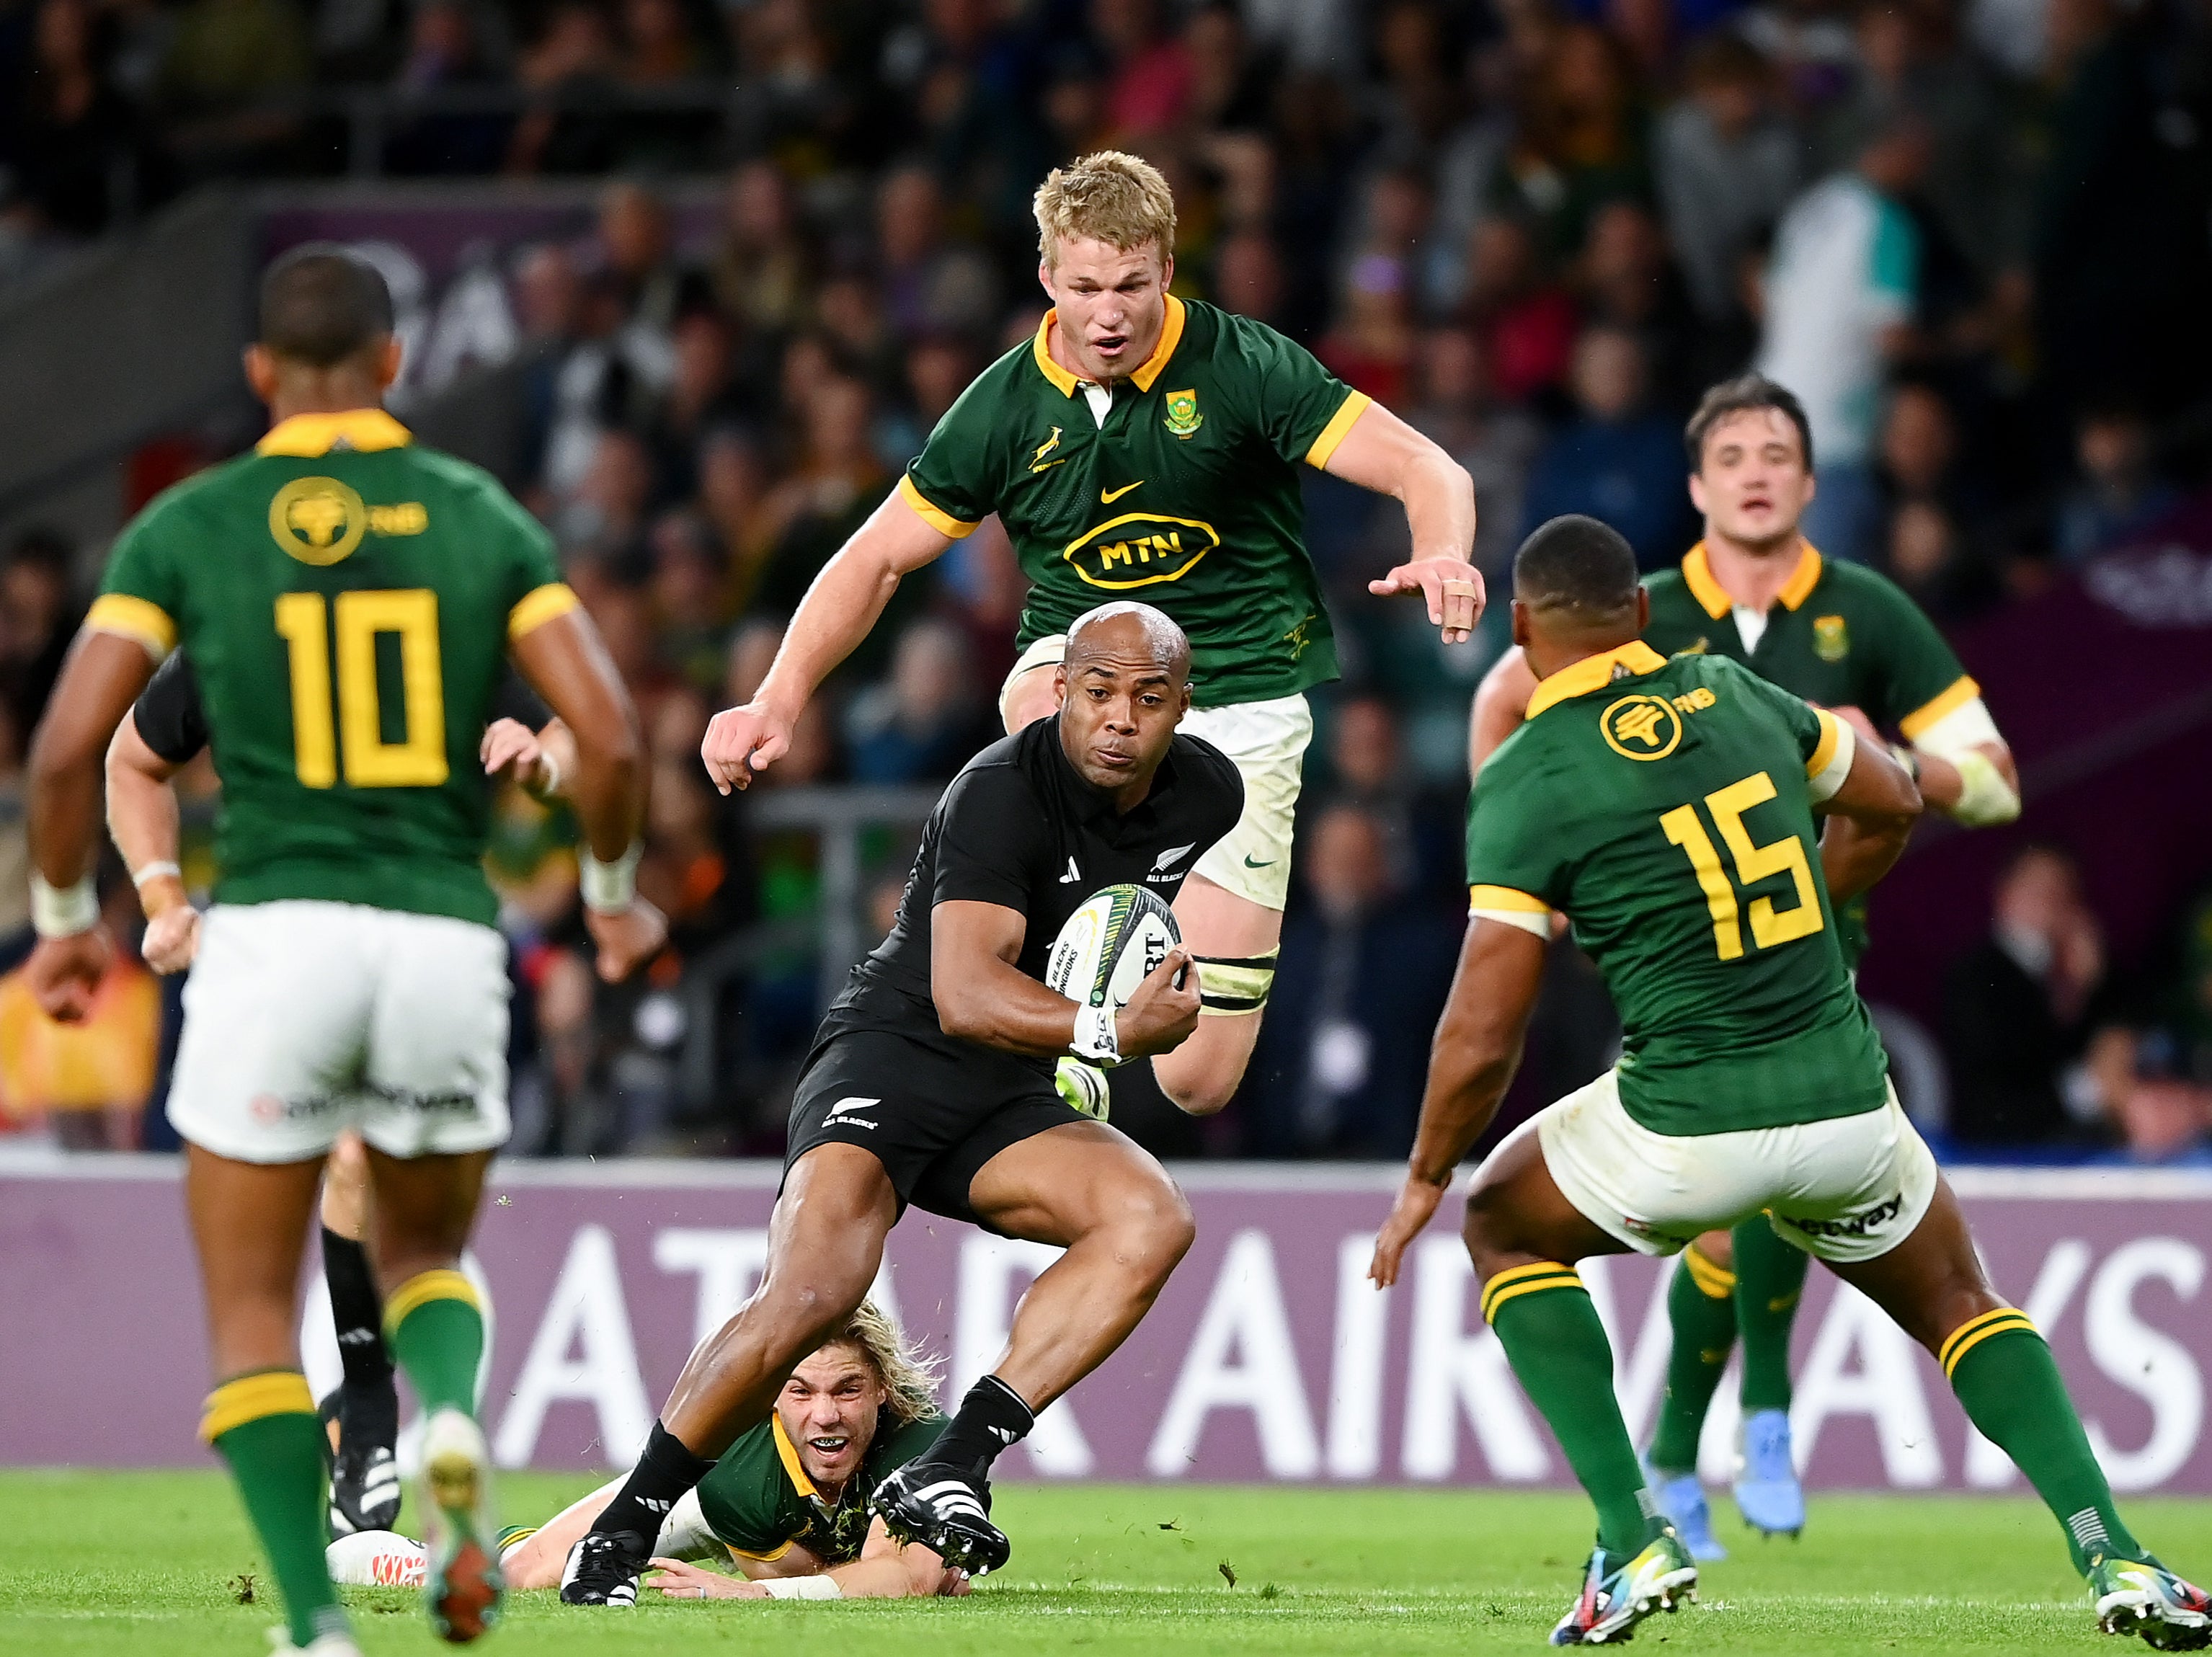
pixel 952 482
pixel 1514 865
pixel 141 591
pixel 1304 409
pixel 747 1497
pixel 1921 680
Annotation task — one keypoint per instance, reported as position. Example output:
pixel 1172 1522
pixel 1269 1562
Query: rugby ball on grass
pixel 1109 945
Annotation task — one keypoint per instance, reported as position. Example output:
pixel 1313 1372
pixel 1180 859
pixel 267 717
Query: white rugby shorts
pixel 1850 1188
pixel 302 1019
pixel 1267 742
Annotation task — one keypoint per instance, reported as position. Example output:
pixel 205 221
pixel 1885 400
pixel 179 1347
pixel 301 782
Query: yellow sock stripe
pixel 1526 1280
pixel 251 1397
pixel 1943 1352
pixel 2017 1323
pixel 1714 1280
pixel 422 1288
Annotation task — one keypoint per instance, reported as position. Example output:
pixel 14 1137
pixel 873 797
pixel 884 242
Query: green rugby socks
pixel 1701 1308
pixel 435 1327
pixel 1770 1281
pixel 1552 1336
pixel 2006 1378
pixel 264 1425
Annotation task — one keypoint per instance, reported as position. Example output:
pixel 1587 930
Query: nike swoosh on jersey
pixel 1108 497
pixel 1249 864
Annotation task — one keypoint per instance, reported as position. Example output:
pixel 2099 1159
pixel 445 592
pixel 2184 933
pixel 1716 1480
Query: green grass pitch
pixel 148 1563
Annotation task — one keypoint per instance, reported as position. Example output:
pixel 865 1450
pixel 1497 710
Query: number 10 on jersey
pixel 418 758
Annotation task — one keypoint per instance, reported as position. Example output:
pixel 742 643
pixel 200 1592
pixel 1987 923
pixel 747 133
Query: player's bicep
pixel 1501 707
pixel 964 934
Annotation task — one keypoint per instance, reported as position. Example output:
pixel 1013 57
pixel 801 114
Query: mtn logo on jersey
pixel 1139 549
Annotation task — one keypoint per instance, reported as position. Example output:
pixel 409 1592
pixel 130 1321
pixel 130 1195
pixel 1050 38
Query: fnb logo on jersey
pixel 1137 550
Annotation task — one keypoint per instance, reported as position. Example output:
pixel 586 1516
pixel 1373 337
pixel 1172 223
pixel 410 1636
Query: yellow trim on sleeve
pixel 1347 412
pixel 441 1283
pixel 1824 752
pixel 138 619
pixel 1505 897
pixel 762 1559
pixel 931 513
pixel 1913 724
pixel 1170 336
pixel 1041 349
pixel 1713 1280
pixel 253 1398
pixel 1803 580
pixel 540 606
pixel 1595 673
pixel 794 1469
pixel 306 435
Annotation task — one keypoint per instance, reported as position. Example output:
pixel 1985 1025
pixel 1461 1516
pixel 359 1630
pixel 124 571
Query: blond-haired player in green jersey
pixel 348 601
pixel 1667 809
pixel 1147 447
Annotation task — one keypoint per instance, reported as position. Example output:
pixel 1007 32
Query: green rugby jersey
pixel 759 1503
pixel 346 600
pixel 1186 497
pixel 1663 806
pixel 1840 634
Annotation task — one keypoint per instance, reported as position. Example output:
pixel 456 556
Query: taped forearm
pixel 1964 739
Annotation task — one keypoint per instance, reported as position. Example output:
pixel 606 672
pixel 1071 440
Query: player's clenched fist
pixel 1162 1011
pixel 64 971
pixel 741 741
pixel 172 939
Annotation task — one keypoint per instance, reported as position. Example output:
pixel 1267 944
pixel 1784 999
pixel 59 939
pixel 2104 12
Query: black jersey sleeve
pixel 167 712
pixel 515 700
pixel 990 836
pixel 1225 787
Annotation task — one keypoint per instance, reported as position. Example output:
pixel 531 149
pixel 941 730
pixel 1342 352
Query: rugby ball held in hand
pixel 1110 946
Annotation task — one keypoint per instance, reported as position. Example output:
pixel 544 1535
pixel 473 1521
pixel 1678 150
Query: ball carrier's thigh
pixel 1517 1215
pixel 825 1245
pixel 1089 1189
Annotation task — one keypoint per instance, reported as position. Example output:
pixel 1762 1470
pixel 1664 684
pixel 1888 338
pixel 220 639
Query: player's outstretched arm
pixel 564 659
pixel 142 821
pixel 885 1570
pixel 836 614
pixel 1471 1063
pixel 982 995
pixel 1870 817
pixel 102 677
pixel 1501 705
pixel 1383 453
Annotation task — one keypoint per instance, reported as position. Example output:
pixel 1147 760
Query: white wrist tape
pixel 1095 1038
pixel 609 887
pixel 802 1588
pixel 64 911
pixel 140 876
pixel 1985 798
pixel 551 783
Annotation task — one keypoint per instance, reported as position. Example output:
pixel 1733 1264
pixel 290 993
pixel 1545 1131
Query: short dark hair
pixel 1577 563
pixel 1745 394
pixel 322 304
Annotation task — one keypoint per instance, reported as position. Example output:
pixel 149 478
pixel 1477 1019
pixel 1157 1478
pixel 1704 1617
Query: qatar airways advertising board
pixel 1269 1359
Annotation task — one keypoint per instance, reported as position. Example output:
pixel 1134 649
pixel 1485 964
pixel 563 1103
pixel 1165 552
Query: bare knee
pixel 1149 1227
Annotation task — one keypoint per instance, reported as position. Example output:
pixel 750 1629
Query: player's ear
pixel 1521 628
pixel 1044 280
pixel 1167 272
pixel 1183 701
pixel 1643 607
pixel 260 366
pixel 1060 685
pixel 1697 493
pixel 389 356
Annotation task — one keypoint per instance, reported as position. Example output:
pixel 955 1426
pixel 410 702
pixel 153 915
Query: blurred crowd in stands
pixel 1972 234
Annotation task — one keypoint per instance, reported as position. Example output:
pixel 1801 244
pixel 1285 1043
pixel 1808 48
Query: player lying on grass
pixel 932 1082
pixel 1143 444
pixel 1667 808
pixel 786 1505
pixel 350 974
pixel 165 730
pixel 1846 638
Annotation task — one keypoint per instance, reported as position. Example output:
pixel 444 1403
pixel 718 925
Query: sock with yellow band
pixel 1550 1330
pixel 2006 1378
pixel 264 1425
pixel 1770 1281
pixel 1701 1310
pixel 435 1327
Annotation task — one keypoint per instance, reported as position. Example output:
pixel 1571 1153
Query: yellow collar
pixel 309 434
pixel 793 1467
pixel 1697 572
pixel 1145 372
pixel 1595 673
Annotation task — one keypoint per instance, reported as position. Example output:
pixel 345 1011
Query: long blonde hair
pixel 908 1375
